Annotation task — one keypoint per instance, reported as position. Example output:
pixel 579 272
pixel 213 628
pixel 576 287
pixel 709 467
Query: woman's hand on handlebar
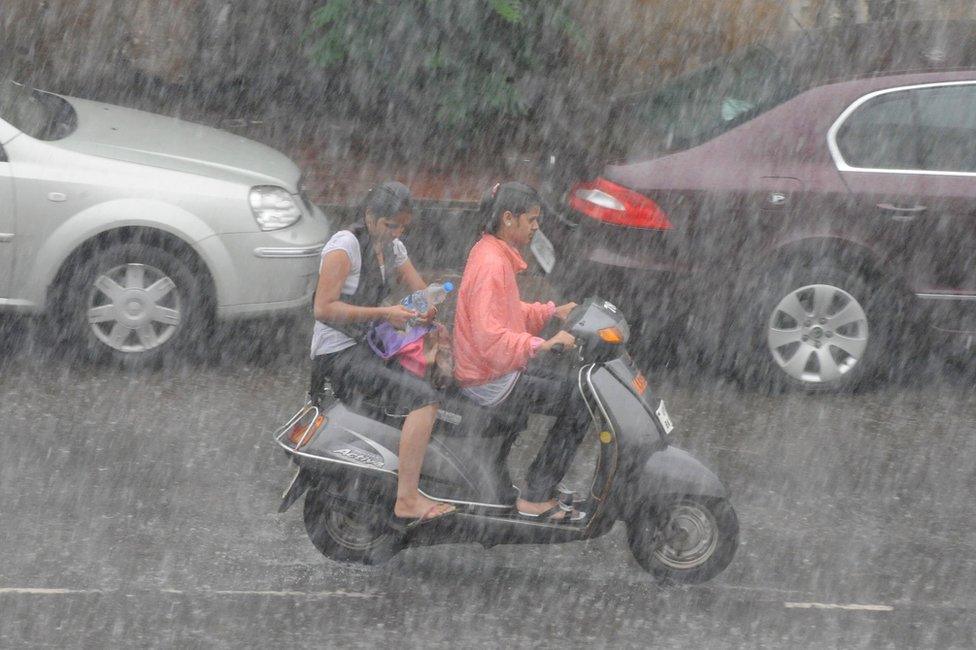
pixel 562 311
pixel 562 338
pixel 398 315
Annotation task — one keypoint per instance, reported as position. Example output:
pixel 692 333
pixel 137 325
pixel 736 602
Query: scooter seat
pixel 475 420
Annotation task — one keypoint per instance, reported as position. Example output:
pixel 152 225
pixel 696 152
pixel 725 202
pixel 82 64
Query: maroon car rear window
pixel 881 134
pixel 931 129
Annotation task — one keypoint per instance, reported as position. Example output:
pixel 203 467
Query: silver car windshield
pixel 40 115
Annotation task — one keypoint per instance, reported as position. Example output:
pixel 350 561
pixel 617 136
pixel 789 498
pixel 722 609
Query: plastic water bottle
pixel 423 299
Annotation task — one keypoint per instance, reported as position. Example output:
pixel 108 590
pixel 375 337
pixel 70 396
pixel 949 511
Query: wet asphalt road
pixel 139 509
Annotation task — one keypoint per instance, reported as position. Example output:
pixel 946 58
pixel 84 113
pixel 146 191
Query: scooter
pixel 681 526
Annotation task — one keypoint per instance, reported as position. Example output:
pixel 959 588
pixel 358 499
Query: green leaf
pixel 332 11
pixel 442 66
pixel 328 51
pixel 509 10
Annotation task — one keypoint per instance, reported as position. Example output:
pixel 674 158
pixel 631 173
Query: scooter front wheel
pixel 347 534
pixel 686 539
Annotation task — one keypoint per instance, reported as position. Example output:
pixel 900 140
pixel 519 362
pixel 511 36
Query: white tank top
pixel 326 339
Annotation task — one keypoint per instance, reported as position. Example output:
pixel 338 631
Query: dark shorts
pixel 358 369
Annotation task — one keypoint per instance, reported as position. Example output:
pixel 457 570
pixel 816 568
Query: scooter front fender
pixel 673 470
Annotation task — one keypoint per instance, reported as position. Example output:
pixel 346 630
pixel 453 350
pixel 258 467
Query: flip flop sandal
pixel 560 493
pixel 549 516
pixel 409 523
pixel 566 496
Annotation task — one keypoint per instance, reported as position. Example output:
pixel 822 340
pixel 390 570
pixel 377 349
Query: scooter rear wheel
pixel 686 540
pixel 347 534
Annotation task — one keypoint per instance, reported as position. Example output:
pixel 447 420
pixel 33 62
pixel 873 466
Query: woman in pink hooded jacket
pixel 496 336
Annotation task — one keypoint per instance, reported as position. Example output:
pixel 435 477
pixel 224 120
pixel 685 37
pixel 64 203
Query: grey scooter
pixel 680 523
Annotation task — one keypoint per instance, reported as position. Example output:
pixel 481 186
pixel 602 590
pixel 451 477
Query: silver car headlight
pixel 273 207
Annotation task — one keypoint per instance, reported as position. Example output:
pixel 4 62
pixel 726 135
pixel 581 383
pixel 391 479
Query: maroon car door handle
pixel 915 209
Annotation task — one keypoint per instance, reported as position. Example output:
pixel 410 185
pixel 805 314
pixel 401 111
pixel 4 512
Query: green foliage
pixel 451 70
pixel 510 10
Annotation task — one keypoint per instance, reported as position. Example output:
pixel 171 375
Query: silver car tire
pixel 133 303
pixel 134 307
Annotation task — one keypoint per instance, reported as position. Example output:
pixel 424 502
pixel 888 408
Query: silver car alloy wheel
pixel 817 333
pixel 134 308
pixel 689 537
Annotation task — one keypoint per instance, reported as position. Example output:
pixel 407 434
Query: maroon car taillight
pixel 612 203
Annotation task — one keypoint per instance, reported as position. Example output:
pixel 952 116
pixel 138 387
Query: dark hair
pixel 517 198
pixel 387 200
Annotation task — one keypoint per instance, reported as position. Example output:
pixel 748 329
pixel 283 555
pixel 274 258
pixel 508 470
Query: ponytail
pixel 517 198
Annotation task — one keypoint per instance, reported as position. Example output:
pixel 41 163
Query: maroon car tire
pixel 819 328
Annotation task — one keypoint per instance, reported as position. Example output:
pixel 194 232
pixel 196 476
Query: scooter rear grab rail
pixel 302 412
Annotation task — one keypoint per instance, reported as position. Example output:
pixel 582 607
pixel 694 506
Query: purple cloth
pixel 386 340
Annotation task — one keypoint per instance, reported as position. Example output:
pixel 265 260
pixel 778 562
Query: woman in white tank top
pixel 357 267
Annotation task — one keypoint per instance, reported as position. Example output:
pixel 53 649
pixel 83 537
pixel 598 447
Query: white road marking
pixel 863 608
pixel 39 591
pixel 762 590
pixel 291 594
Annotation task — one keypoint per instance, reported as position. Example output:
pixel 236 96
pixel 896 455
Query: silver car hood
pixel 129 135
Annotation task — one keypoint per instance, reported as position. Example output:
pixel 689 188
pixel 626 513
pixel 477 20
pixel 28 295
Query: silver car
pixel 136 229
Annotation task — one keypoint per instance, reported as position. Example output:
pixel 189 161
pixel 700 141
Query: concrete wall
pixel 243 64
pixel 255 47
pixel 814 13
pixel 178 42
pixel 641 40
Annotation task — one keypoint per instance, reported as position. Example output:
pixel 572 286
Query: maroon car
pixel 798 210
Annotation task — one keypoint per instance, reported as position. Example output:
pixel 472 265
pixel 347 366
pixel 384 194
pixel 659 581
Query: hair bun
pixel 387 200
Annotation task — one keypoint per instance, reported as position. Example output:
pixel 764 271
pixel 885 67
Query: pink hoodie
pixel 494 331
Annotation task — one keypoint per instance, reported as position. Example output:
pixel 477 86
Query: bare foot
pixel 421 506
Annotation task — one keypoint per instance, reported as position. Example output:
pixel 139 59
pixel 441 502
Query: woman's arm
pixel 537 315
pixel 408 276
pixel 501 348
pixel 329 309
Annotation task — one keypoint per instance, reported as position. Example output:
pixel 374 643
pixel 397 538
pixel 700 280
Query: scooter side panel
pixel 349 439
